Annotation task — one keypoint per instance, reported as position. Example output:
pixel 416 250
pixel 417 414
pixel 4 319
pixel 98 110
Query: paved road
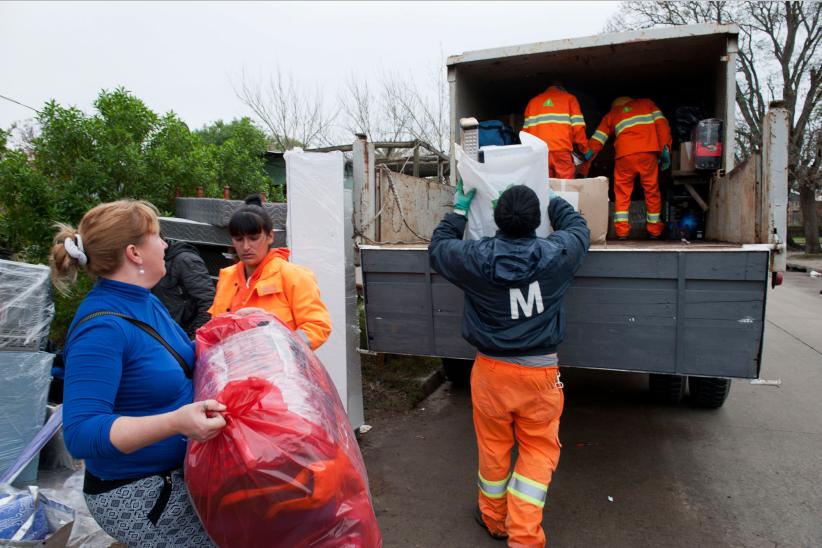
pixel 748 474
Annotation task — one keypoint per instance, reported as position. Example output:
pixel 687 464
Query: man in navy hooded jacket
pixel 514 284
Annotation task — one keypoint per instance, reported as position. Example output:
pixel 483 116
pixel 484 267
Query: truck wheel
pixel 457 371
pixel 708 392
pixel 666 389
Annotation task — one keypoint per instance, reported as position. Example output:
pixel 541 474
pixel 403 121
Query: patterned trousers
pixel 123 514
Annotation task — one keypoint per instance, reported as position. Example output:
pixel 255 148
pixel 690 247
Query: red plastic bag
pixel 286 470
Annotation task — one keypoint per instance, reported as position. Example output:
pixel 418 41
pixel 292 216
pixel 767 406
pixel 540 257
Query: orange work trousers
pixel 561 165
pixel 626 169
pixel 523 404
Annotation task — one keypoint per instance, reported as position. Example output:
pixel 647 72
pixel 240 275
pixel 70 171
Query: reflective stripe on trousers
pixel 528 490
pixel 493 489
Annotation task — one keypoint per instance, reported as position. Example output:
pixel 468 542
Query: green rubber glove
pixel 665 158
pixel 588 154
pixel 462 201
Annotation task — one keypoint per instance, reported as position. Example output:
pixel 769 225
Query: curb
pixel 795 267
pixel 430 383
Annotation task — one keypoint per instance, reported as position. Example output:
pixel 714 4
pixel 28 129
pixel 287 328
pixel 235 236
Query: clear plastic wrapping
pixel 24 390
pixel 286 470
pixel 26 307
pixel 316 191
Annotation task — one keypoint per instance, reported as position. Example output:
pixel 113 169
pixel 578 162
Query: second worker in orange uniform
pixel 555 117
pixel 643 147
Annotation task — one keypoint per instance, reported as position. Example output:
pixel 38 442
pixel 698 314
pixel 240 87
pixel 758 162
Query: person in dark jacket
pixel 186 290
pixel 514 285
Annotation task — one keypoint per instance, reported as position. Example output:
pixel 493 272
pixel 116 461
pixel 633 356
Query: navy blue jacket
pixel 513 286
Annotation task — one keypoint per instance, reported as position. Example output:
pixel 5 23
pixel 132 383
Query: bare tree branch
pixel 292 116
pixel 399 107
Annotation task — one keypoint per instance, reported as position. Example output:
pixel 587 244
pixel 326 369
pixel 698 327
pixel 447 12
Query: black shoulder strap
pixel 142 325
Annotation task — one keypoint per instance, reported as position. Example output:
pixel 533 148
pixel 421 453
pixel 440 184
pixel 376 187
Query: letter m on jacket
pixel 518 301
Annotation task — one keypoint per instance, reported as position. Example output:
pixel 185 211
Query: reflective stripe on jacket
pixel 555 117
pixel 638 126
pixel 287 290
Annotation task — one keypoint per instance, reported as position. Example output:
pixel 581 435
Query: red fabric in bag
pixel 286 470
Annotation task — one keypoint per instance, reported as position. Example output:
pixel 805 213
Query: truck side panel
pixel 689 313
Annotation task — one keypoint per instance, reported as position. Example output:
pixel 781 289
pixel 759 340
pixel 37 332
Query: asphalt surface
pixel 748 474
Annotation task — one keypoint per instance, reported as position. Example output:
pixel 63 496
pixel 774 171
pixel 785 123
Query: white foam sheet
pixel 319 236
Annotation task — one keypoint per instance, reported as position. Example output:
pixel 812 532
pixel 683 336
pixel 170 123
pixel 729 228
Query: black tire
pixel 457 371
pixel 708 392
pixel 666 389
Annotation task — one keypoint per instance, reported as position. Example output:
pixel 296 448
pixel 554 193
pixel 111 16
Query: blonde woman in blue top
pixel 128 407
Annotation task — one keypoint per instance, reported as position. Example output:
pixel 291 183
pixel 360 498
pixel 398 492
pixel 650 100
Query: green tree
pixel 180 161
pixel 26 204
pixel 122 150
pixel 239 148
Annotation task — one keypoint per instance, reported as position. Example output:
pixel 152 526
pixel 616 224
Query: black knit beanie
pixel 517 213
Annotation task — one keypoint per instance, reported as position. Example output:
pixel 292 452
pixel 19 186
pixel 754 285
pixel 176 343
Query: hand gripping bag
pixel 286 470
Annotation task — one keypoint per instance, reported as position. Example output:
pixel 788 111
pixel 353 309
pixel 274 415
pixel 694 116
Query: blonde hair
pixel 106 230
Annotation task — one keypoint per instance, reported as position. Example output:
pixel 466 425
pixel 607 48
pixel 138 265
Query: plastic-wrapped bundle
pixel 28 516
pixel 286 470
pixel 26 308
pixel 23 393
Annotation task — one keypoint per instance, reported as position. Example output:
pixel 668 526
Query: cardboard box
pixel 590 198
pixel 686 156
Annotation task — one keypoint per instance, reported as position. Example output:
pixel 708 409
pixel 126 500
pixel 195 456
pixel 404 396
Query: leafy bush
pixel 122 150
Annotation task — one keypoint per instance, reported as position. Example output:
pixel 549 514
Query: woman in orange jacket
pixel 263 278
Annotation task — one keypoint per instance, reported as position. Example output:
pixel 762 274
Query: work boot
pixel 622 238
pixel 493 535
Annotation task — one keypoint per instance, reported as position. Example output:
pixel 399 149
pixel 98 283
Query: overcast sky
pixel 186 56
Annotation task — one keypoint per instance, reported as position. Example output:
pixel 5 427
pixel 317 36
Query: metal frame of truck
pixel 671 309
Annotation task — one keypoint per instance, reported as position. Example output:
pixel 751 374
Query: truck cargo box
pixel 682 308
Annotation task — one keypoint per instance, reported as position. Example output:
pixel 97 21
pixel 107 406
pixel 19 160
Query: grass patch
pixel 395 383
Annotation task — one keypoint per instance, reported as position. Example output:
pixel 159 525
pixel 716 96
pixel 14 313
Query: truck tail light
pixel 776 278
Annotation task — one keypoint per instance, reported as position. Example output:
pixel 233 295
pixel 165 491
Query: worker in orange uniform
pixel 514 285
pixel 643 147
pixel 263 278
pixel 555 117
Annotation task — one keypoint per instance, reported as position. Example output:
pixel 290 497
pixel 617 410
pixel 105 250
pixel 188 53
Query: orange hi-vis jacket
pixel 555 117
pixel 287 290
pixel 638 126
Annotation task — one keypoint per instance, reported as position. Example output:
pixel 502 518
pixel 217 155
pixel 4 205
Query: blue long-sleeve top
pixel 114 369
